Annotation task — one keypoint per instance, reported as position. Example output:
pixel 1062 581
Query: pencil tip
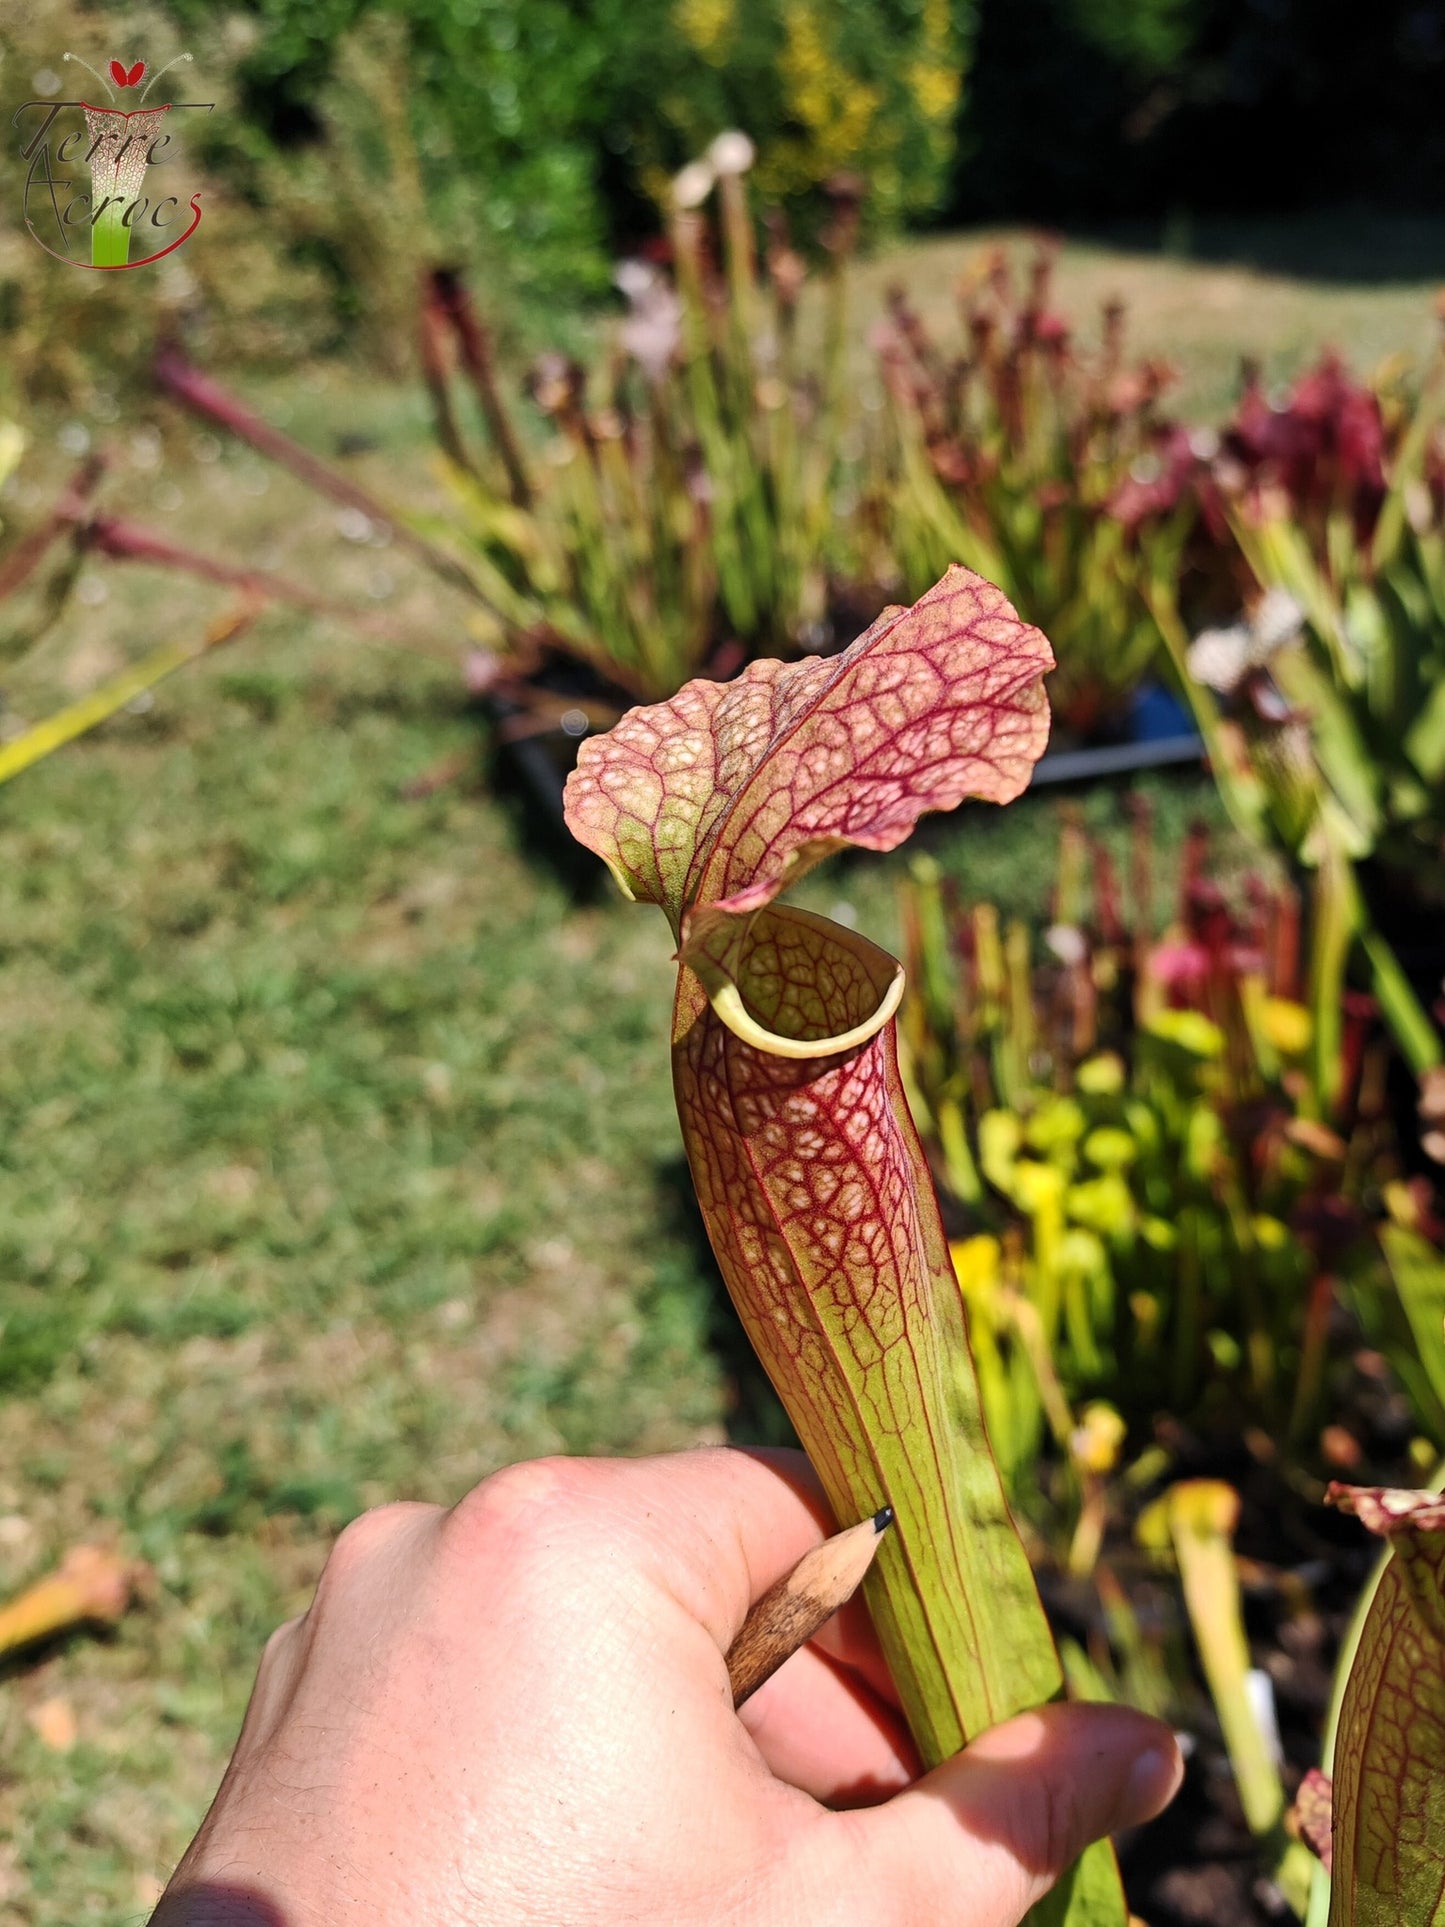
pixel 883 1519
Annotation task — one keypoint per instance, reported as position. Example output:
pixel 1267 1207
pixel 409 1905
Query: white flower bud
pixel 692 186
pixel 1220 658
pixel 634 278
pixel 1276 620
pixel 732 153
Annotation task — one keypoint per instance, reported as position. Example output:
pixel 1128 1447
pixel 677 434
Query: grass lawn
pixel 337 1152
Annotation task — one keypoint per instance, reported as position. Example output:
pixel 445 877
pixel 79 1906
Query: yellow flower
pixel 1000 1136
pixel 1110 1149
pixel 1288 1026
pixel 706 25
pixel 1103 1204
pixel 838 108
pixel 976 1266
pixel 935 89
pixel 1101 1076
pixel 1055 1125
pixel 1191 1030
pixel 1083 1255
pixel 1097 1439
pixel 1269 1233
pixel 1036 1187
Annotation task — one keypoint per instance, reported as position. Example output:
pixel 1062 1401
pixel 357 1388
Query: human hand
pixel 517 1711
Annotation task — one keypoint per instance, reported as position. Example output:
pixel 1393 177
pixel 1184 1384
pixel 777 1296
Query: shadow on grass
pixel 1353 246
pixel 754 1412
pixel 36 1653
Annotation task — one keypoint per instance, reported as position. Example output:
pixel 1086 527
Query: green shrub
pixel 867 86
pixel 540 137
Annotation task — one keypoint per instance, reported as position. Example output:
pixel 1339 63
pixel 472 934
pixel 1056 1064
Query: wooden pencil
pixel 790 1612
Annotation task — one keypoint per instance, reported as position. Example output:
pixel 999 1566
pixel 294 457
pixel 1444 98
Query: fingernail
pixel 1153 1781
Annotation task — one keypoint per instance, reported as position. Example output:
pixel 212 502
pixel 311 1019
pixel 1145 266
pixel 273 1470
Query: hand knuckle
pixel 531 1533
pixel 367 1535
pixel 520 1502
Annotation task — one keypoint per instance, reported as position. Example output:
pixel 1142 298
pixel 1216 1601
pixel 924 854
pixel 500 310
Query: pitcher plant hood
pixel 807 1166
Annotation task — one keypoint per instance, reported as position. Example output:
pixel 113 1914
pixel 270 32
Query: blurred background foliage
pixel 565 132
pixel 352 142
pixel 533 143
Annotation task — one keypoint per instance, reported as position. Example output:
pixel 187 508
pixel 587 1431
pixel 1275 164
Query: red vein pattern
pixel 729 790
pixel 1389 1764
pixel 817 1199
pixel 807 1166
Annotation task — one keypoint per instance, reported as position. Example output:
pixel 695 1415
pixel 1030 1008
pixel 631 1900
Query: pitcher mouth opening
pixel 790 983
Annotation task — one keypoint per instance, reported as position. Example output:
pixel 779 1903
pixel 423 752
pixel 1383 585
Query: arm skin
pixel 517 1711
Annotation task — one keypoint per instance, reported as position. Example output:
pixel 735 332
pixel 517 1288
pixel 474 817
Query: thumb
pixel 986 1834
